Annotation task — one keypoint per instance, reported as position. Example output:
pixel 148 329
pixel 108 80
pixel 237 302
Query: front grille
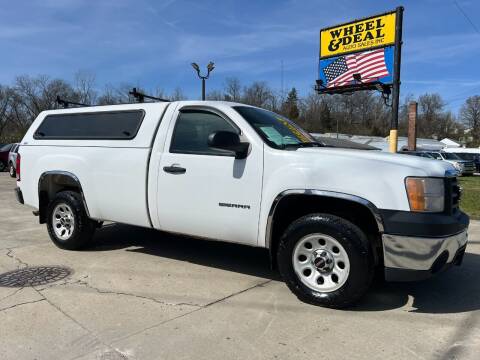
pixel 452 195
pixel 470 166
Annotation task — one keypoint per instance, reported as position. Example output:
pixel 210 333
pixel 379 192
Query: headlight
pixel 458 166
pixel 425 194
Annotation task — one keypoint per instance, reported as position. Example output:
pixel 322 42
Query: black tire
pixel 2 166
pixel 11 170
pixel 356 246
pixel 84 228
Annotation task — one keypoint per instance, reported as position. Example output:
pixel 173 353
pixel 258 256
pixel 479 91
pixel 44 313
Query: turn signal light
pixel 425 194
pixel 416 194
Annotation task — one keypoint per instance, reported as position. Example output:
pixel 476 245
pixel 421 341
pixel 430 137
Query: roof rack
pixel 66 103
pixel 141 96
pixel 136 94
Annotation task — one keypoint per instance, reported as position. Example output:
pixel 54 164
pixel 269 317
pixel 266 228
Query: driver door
pixel 206 192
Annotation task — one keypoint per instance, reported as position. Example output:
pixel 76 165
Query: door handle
pixel 174 169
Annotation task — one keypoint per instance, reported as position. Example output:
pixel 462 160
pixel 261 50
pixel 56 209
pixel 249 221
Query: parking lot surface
pixel 141 294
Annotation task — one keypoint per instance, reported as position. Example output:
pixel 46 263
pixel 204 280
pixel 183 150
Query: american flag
pixel 370 65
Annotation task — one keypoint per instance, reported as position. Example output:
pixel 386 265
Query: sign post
pixel 393 138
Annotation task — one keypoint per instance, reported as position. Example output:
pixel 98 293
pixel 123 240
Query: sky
pixel 152 43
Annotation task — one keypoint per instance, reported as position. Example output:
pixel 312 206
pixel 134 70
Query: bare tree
pixel 257 94
pixel 109 96
pixel 316 113
pixel 177 95
pixel 160 93
pixel 215 95
pixel 84 87
pixel 448 127
pixel 470 115
pixel 233 89
pixel 34 95
pixel 5 104
pixel 430 108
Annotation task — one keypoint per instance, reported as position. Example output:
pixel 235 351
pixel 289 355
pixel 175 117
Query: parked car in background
pixel 464 167
pixel 4 151
pixel 471 157
pixel 12 160
pixel 427 155
pixel 459 150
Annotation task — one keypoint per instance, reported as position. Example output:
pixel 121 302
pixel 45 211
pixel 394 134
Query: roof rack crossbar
pixel 66 103
pixel 141 96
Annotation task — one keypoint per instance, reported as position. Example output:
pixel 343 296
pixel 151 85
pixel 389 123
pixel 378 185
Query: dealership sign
pixel 377 31
pixel 358 55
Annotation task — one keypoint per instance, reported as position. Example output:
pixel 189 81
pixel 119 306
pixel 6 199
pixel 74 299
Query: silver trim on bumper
pixel 418 253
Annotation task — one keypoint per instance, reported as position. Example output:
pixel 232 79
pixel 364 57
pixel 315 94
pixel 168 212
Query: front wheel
pixel 68 224
pixel 326 260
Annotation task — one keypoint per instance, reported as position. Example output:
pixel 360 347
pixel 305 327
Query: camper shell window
pixel 105 125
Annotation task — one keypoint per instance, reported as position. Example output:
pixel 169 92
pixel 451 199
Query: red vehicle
pixel 4 151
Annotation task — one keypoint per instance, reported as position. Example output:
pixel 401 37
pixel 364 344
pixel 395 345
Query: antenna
pixel 141 96
pixel 66 103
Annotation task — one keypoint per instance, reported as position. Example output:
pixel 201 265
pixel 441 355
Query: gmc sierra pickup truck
pixel 231 172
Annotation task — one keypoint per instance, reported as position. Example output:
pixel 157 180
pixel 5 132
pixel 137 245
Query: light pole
pixel 210 68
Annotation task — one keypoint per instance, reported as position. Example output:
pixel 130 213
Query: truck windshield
pixel 276 130
pixel 466 156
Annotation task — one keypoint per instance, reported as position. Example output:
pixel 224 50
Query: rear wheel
pixel 2 166
pixel 68 224
pixel 326 260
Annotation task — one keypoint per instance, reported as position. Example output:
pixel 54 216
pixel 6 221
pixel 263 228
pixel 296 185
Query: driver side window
pixel 192 129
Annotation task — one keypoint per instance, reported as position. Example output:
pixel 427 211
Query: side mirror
pixel 230 141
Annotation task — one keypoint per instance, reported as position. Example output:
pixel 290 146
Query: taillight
pixel 17 166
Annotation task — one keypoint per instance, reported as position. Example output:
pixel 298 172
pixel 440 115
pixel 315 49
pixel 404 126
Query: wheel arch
pixel 293 204
pixel 52 182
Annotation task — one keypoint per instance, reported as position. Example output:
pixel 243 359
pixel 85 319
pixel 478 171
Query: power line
pixel 466 16
pixel 462 95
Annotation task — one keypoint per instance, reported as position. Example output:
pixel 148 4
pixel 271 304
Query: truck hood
pixel 376 176
pixel 414 165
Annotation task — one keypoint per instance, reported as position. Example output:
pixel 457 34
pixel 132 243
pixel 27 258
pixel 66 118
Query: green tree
pixel 290 106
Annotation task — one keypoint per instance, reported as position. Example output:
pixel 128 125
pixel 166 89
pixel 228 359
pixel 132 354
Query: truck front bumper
pixel 413 258
pixel 416 256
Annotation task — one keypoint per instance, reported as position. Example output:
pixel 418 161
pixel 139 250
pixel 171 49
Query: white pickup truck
pixel 230 172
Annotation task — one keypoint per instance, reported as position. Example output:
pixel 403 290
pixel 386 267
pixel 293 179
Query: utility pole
pixel 210 68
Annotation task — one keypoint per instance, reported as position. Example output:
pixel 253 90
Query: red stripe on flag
pixel 370 65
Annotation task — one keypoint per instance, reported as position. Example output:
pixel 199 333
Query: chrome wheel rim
pixel 63 221
pixel 321 262
pixel 12 171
